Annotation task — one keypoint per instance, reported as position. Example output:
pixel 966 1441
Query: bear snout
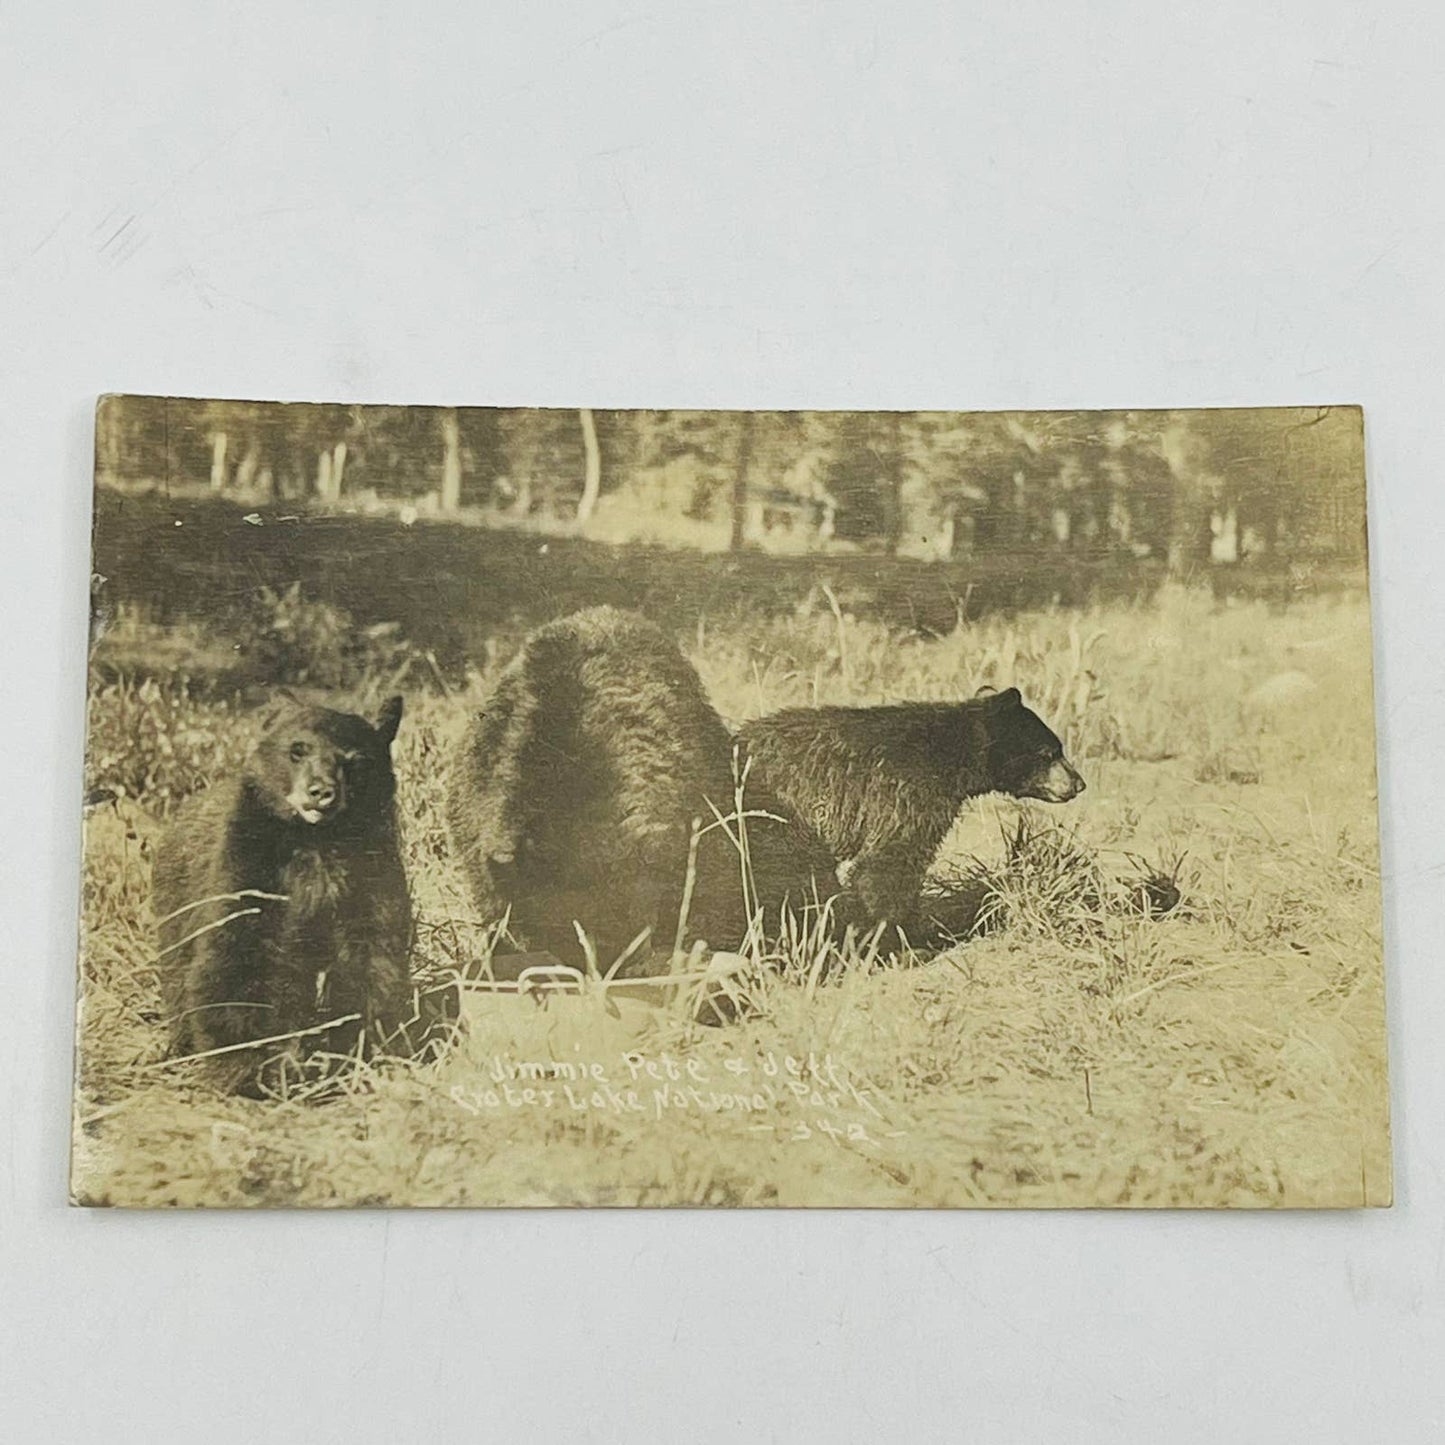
pixel 1066 780
pixel 318 796
pixel 1058 783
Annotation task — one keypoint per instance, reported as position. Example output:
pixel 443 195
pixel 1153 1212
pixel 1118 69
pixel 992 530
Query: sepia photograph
pixel 723 723
pixel 542 807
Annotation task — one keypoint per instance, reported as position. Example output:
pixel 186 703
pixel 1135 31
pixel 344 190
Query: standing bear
pixel 575 795
pixel 881 786
pixel 282 904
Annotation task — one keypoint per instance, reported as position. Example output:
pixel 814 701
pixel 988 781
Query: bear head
pixel 1024 756
pixel 323 769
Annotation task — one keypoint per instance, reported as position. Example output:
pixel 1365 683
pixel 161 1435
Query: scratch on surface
pixel 38 247
pixel 1387 251
pixel 181 177
pixel 122 243
pixel 625 23
pixel 117 233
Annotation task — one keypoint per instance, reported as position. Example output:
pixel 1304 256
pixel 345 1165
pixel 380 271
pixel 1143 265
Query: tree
pixel 592 467
pixel 542 450
pixel 451 488
pixel 742 461
pixel 1286 481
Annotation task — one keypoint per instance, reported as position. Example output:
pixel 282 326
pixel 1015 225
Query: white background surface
pixel 725 204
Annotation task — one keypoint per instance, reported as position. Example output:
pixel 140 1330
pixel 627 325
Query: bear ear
pixel 987 690
pixel 1009 697
pixel 388 719
pixel 281 701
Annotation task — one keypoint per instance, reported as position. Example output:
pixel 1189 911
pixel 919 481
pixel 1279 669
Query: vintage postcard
pixel 494 807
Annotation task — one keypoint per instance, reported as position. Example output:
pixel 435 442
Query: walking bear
pixel 282 903
pixel 574 797
pixel 881 786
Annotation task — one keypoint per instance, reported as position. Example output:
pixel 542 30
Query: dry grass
pixel 1075 1048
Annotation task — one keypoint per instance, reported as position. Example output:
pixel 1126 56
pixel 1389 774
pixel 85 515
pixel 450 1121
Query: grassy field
pixel 1079 1051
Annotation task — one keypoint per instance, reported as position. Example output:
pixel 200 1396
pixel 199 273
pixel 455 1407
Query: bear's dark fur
pixel 881 786
pixel 300 856
pixel 575 793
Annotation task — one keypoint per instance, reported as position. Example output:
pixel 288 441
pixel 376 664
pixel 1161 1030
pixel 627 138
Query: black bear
pixel 881 786
pixel 282 903
pixel 575 795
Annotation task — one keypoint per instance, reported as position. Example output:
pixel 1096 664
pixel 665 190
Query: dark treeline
pixel 463 592
pixel 1179 488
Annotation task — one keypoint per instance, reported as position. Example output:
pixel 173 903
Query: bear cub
pixel 881 786
pixel 574 795
pixel 281 901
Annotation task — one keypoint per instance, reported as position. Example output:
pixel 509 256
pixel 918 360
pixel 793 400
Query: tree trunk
pixel 218 460
pixel 451 462
pixel 893 482
pixel 592 478
pixel 108 437
pixel 947 534
pixel 247 468
pixel 338 467
pixel 740 482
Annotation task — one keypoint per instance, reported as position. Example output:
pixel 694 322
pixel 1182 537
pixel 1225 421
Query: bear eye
pixel 298 751
pixel 353 760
